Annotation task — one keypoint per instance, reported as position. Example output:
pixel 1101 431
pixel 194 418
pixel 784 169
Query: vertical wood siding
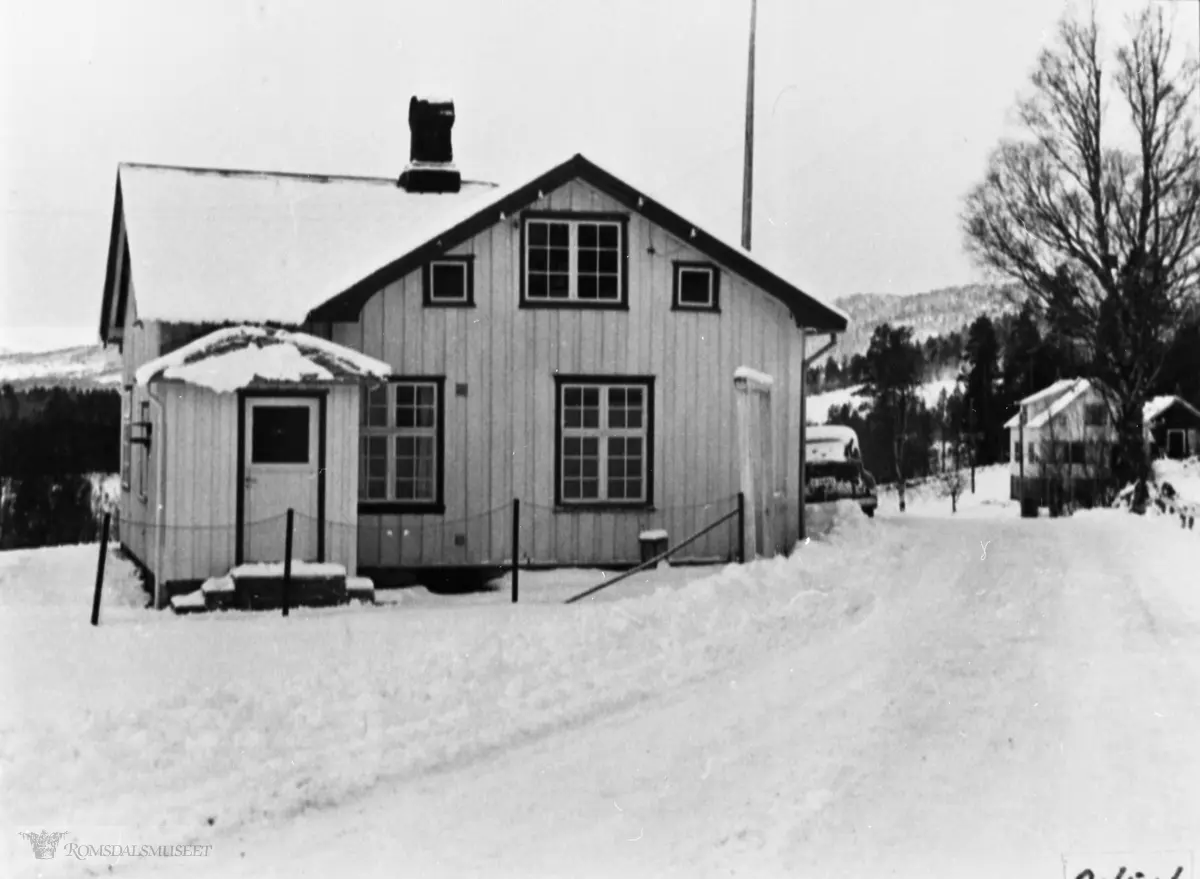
pixel 137 531
pixel 499 438
pixel 201 505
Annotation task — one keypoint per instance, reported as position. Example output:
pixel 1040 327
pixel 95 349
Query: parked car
pixel 833 468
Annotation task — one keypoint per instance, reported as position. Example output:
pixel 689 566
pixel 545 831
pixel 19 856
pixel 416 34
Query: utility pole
pixel 748 163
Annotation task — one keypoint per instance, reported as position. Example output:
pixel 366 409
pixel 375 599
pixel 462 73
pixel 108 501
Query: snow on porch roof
pixel 236 357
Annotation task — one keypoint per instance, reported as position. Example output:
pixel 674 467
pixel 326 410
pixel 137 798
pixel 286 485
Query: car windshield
pixel 833 449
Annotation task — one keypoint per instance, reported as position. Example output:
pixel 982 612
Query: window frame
pixel 144 458
pixel 127 438
pixel 678 267
pixel 574 218
pixel 390 504
pixel 467 261
pixel 605 382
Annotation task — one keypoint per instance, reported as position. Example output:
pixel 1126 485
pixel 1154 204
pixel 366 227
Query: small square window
pixel 449 281
pixel 695 287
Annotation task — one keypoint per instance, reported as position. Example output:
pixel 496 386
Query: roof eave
pixel 110 273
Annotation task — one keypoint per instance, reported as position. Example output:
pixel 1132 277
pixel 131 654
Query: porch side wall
pixel 201 502
pixel 500 436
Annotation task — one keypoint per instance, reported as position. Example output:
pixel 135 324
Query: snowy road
pixel 995 713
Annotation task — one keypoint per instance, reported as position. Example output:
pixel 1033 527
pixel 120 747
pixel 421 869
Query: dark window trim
pixel 680 264
pixel 321 395
pixel 647 381
pixel 427 299
pixel 599 216
pixel 420 508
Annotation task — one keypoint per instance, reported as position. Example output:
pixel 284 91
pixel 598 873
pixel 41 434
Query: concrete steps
pixel 260 587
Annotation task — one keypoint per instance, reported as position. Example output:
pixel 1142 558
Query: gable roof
pixel 1064 393
pixel 1059 387
pixel 1156 407
pixel 245 246
pixel 242 246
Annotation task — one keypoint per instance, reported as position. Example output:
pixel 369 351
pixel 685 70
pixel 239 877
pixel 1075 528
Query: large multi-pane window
pixel 574 261
pixel 605 435
pixel 400 445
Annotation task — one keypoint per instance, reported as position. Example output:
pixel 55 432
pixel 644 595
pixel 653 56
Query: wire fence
pixel 543 535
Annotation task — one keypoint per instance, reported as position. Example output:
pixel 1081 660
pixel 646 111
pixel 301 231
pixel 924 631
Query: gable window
pixel 1095 415
pixel 573 261
pixel 605 440
pixel 401 446
pixel 126 436
pixel 695 287
pixel 449 281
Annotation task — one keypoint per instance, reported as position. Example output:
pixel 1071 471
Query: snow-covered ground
pixel 818 405
pixel 1184 477
pixel 919 694
pixel 990 499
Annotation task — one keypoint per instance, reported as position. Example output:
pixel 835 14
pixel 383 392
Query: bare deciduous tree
pixel 1099 217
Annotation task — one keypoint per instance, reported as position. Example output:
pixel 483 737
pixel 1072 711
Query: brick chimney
pixel 431 160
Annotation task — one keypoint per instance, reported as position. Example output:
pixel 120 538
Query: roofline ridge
pixel 289 175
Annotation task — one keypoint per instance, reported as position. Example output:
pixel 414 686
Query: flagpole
pixel 748 164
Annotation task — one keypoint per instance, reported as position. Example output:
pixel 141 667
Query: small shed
pixel 250 422
pixel 1172 427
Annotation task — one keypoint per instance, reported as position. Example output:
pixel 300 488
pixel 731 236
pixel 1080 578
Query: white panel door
pixel 281 455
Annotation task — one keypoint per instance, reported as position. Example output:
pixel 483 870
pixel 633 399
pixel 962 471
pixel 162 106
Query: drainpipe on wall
pixel 160 495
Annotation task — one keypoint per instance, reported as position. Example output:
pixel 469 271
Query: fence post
pixel 100 569
pixel 741 520
pixel 516 546
pixel 287 562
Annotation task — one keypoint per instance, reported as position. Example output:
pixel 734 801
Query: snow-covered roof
pixel 1078 388
pixel 210 246
pixel 1059 387
pixel 1156 407
pixel 236 357
pixel 829 442
pixel 829 433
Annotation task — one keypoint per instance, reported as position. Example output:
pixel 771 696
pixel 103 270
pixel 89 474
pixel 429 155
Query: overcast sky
pixel 873 117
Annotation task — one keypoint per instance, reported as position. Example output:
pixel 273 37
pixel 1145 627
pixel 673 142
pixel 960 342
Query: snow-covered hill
pixel 83 366
pixel 938 312
pixel 820 404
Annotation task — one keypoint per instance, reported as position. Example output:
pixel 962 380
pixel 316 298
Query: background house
pixel 1061 440
pixel 570 342
pixel 1172 427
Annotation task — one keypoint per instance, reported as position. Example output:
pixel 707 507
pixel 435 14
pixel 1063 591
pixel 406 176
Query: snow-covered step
pixel 219 593
pixel 313 584
pixel 189 602
pixel 360 589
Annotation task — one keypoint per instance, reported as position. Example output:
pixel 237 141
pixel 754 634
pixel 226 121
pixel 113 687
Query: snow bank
pixel 186 727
